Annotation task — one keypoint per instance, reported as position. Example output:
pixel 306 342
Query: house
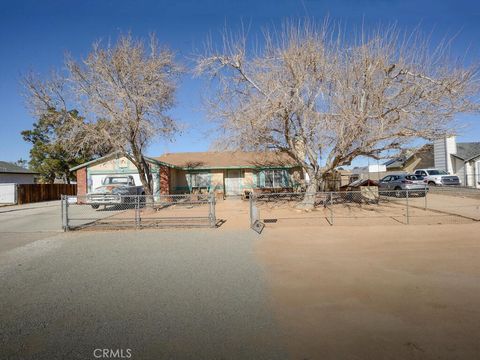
pixel 410 160
pixel 226 173
pixel 461 159
pixel 372 172
pixel 13 174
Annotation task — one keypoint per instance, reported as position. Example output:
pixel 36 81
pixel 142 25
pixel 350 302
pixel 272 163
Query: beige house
pixel 227 173
pixel 231 172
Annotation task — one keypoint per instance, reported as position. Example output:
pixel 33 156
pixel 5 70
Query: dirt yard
pixel 377 292
pixel 439 209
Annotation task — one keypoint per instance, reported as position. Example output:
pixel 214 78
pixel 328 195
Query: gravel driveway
pixel 191 294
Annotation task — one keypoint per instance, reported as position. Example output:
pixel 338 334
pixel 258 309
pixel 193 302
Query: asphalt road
pixel 183 294
pixel 23 224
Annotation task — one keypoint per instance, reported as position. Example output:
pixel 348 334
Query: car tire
pixel 432 183
pixel 95 206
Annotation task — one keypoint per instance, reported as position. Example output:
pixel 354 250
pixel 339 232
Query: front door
pixel 234 182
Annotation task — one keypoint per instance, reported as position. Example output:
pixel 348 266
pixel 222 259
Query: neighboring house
pixel 372 172
pixel 409 161
pixel 461 159
pixel 13 174
pixel 226 173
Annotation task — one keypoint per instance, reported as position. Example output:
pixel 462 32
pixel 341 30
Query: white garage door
pixel 8 193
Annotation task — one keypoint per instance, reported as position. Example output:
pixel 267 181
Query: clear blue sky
pixel 34 35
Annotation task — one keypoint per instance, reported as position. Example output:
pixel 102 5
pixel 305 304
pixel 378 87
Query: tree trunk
pixel 143 169
pixel 145 177
pixel 308 202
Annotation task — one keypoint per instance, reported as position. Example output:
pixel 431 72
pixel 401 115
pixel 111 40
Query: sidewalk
pixel 4 208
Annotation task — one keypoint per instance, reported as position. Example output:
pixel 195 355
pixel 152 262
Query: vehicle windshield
pixel 115 180
pixel 414 177
pixel 437 172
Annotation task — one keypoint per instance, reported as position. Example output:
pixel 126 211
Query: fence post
pixel 211 208
pixel 66 213
pixel 62 210
pixel 331 209
pixel 408 214
pixel 425 196
pixel 250 201
pixel 137 212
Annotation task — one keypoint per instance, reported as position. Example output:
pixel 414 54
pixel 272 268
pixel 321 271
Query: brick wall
pixel 164 180
pixel 82 181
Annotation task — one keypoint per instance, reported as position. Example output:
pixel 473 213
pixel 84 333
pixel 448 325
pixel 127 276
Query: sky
pixel 35 35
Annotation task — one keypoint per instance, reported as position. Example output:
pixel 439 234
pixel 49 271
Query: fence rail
pixel 139 211
pixel 368 206
pixel 30 193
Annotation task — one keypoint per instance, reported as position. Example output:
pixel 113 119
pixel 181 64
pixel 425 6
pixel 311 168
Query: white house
pixel 10 176
pixel 461 159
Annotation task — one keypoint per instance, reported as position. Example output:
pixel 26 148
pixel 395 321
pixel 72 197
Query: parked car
pixel 114 190
pixel 438 177
pixel 398 184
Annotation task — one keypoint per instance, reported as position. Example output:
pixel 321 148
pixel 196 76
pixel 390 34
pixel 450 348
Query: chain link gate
pixel 139 211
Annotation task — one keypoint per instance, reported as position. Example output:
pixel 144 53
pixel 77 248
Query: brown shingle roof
pixel 227 159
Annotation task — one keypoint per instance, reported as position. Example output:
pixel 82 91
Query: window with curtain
pixel 200 180
pixel 275 178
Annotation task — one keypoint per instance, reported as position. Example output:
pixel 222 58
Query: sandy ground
pixel 409 292
pixel 466 206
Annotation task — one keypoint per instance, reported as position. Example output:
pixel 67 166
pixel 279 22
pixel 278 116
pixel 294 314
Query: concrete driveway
pixel 183 294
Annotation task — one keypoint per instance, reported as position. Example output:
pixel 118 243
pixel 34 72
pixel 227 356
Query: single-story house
pixel 225 173
pixel 13 174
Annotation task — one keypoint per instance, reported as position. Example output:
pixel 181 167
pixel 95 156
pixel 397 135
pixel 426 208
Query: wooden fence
pixel 30 193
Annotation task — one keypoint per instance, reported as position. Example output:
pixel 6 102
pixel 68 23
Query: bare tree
pixel 325 101
pixel 125 91
pixel 131 85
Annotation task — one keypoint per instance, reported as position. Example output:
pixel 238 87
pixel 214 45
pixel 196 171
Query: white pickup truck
pixel 438 177
pixel 115 189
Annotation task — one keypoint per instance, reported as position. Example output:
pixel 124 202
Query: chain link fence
pixel 367 206
pixel 139 211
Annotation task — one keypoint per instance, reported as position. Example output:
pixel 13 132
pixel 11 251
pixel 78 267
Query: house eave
pixel 256 167
pixel 114 155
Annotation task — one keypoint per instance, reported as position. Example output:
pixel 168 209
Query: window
pixel 198 180
pixel 414 177
pixel 437 172
pixel 117 180
pixel 275 178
